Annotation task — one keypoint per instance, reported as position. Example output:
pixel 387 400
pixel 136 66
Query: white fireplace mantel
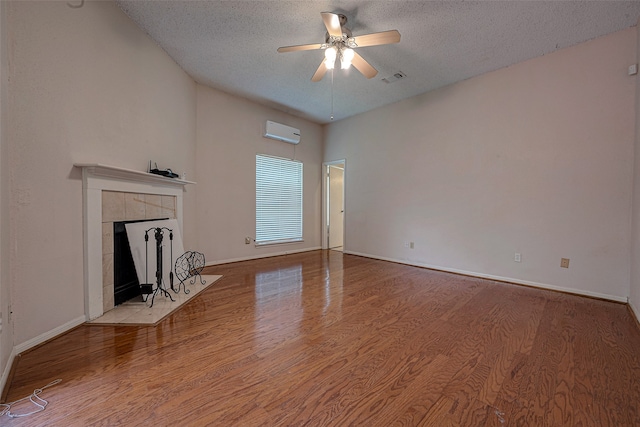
pixel 96 178
pixel 100 170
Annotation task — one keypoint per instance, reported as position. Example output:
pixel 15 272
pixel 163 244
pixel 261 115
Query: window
pixel 278 200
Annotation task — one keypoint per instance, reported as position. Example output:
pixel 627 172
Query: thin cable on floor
pixel 498 413
pixel 5 408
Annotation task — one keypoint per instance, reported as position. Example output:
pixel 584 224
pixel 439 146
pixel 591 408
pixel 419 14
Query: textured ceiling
pixel 231 45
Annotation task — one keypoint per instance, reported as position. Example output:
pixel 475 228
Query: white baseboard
pixel 635 311
pixel 499 278
pixel 7 370
pixel 249 258
pixel 21 348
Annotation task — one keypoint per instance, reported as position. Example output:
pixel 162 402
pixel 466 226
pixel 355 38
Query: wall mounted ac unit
pixel 282 132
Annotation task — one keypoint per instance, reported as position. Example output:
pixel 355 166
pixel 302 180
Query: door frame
pixel 325 203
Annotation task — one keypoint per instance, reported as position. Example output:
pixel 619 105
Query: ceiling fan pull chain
pixel 332 94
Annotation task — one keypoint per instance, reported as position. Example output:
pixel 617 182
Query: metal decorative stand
pixel 189 264
pixel 147 288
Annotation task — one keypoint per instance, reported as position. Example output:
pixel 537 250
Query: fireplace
pixel 119 207
pixel 113 194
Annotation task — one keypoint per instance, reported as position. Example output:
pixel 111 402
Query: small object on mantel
pixel 164 172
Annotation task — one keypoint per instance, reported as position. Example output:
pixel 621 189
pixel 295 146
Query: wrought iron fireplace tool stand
pixel 160 288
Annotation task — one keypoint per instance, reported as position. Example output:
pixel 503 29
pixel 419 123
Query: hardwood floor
pixel 326 339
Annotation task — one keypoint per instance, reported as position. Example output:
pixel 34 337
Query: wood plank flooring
pixel 326 339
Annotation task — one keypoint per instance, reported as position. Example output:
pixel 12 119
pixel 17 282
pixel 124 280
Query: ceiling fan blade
pixel 363 66
pixel 332 22
pixel 320 72
pixel 299 47
pixel 384 37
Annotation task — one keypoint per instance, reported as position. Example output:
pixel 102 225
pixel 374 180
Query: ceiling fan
pixel 339 44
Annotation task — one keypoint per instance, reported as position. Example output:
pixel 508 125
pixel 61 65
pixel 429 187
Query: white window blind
pixel 278 200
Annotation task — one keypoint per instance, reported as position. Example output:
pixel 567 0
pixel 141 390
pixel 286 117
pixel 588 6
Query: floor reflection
pixel 278 307
pixel 297 299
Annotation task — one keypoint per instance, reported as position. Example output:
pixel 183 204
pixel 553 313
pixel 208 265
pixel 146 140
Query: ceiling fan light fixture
pixel 330 55
pixel 346 56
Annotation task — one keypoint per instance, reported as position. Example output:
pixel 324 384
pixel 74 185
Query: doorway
pixel 334 205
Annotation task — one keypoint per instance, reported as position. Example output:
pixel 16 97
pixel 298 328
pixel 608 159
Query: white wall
pixel 6 336
pixel 536 158
pixel 86 86
pixel 229 135
pixel 634 295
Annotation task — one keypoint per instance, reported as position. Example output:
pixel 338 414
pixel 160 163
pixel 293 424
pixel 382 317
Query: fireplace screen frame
pixel 126 285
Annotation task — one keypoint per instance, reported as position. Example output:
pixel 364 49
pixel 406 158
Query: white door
pixel 336 206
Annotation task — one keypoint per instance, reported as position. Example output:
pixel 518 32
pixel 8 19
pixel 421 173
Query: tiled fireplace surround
pixel 116 194
pixel 121 206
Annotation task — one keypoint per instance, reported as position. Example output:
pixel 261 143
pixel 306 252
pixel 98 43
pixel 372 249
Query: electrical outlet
pixel 406 245
pixel 247 240
pixel 564 262
pixel 517 257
